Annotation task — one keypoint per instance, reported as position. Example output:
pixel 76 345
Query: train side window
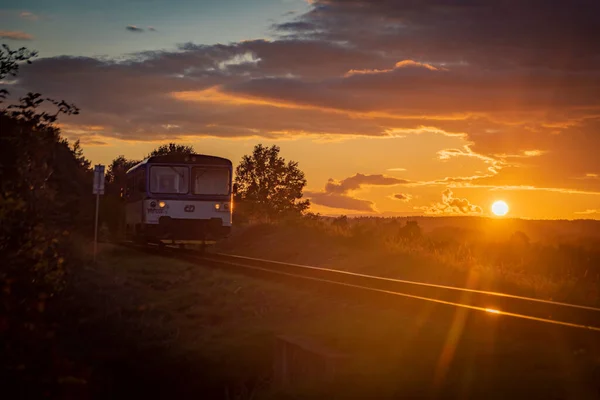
pixel 141 182
pixel 130 185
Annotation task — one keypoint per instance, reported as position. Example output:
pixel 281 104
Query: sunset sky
pixel 391 108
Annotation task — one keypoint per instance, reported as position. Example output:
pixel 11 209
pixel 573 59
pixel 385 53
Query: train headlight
pixel 162 204
pixel 226 206
pixel 217 206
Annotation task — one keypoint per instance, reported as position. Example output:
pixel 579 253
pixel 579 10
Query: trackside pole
pixel 96 227
pixel 98 189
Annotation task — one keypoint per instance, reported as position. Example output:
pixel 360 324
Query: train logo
pixel 189 208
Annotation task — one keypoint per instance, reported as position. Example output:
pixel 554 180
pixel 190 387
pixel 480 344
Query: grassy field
pixel 154 327
pixel 557 260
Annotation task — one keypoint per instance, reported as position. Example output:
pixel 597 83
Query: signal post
pixel 98 189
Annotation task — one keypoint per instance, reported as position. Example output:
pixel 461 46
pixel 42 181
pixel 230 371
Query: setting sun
pixel 500 208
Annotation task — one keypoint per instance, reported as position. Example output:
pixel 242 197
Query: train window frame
pixel 193 181
pixel 140 182
pixel 188 182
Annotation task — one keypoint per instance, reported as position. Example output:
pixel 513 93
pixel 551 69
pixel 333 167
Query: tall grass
pixel 565 267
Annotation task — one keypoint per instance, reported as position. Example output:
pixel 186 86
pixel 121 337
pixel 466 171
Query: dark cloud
pixel 402 197
pixel 335 200
pixel 414 89
pixel 132 98
pixel 133 28
pixel 519 80
pixel 295 26
pixel 358 180
pixel 15 35
pixel 336 194
pixel 494 33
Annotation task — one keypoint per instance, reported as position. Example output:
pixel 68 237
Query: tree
pixel 265 185
pixel 44 195
pixel 117 170
pixel 171 148
pixel 9 63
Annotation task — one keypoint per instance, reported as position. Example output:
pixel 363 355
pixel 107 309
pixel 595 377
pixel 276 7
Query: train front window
pixel 169 179
pixel 210 180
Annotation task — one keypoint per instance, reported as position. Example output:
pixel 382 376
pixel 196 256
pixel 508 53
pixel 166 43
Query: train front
pixel 189 199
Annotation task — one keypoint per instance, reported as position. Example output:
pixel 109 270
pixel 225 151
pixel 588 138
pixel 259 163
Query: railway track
pixel 493 304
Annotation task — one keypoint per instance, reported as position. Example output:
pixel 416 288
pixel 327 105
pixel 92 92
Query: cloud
pixel 355 182
pixel 397 169
pixel 589 176
pixel 29 16
pixel 495 164
pixel 518 83
pixel 452 205
pixel 15 35
pixel 337 193
pixel 399 64
pixel 335 200
pixel 133 28
pixel 588 212
pixel 486 33
pixel 402 196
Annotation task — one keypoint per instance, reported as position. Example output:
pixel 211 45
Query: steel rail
pixel 521 307
pixel 417 283
pixel 365 282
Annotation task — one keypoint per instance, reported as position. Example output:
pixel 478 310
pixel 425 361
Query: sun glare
pixel 500 208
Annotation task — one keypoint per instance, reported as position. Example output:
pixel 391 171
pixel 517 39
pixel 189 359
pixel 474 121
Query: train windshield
pixel 210 180
pixel 169 179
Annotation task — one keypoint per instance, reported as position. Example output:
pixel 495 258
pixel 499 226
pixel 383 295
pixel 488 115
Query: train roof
pixel 191 159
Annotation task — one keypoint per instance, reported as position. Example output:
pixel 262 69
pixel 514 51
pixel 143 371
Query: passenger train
pixel 179 198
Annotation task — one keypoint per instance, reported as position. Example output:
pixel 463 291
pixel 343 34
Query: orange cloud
pixel 15 35
pixel 398 65
pixel 216 95
pixel 495 164
pixel 452 205
pixel 588 212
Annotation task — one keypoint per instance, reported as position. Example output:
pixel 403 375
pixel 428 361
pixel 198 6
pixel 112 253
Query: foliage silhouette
pixel 171 148
pixel 45 195
pixel 268 186
pixel 10 61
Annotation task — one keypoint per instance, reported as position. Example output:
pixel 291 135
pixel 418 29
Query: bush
pixel 44 197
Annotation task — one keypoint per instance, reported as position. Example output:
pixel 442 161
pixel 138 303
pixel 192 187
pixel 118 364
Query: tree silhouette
pixel 9 63
pixel 45 195
pixel 171 148
pixel 265 185
pixel 117 170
